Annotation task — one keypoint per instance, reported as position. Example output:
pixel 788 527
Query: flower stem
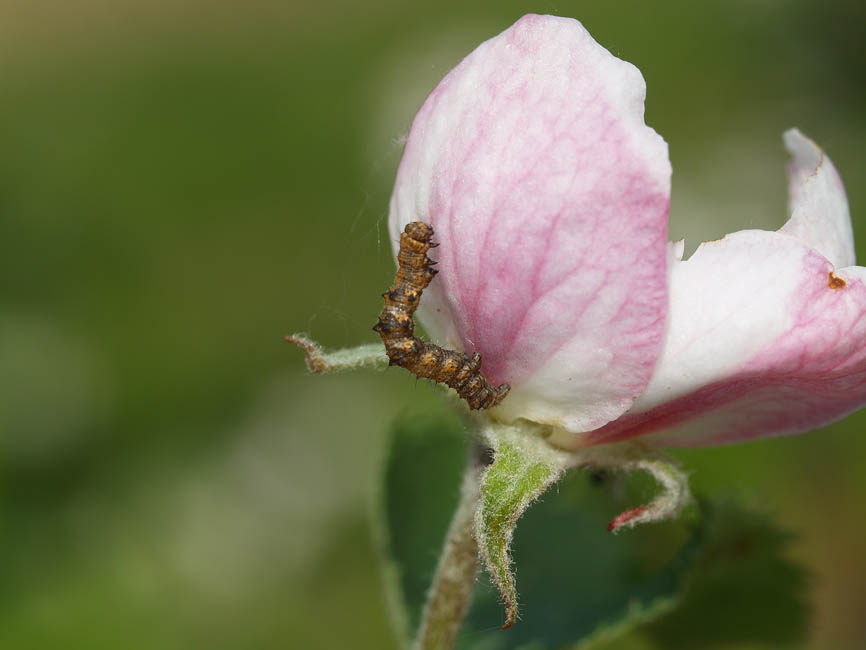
pixel 451 593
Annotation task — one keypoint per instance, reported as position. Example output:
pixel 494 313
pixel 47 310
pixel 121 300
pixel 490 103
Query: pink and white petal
pixel 817 202
pixel 550 197
pixel 764 339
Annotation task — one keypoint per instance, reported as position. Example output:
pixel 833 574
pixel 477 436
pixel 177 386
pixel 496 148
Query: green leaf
pixel 575 576
pixel 718 577
pixel 421 489
pixel 743 589
pixel 573 573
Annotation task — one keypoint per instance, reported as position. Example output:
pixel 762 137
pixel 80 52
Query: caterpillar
pixel 396 326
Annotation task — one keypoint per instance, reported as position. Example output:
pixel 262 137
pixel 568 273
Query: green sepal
pixel 523 467
pixel 371 355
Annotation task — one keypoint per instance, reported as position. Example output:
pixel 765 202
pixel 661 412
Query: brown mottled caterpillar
pixel 396 326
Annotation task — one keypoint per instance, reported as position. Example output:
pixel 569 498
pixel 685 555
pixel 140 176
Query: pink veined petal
pixel 550 197
pixel 817 203
pixel 765 338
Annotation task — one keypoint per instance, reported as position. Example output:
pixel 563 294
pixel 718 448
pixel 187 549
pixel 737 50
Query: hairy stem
pixel 319 361
pixel 451 593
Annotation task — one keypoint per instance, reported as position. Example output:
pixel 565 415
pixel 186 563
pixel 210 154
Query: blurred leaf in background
pixel 182 183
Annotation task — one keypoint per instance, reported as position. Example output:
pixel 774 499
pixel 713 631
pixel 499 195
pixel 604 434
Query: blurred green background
pixel 182 183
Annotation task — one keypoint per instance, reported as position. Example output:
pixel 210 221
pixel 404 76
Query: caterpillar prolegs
pixel 396 326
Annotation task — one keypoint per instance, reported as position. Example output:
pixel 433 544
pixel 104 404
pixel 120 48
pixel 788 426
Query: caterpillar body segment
pixel 396 326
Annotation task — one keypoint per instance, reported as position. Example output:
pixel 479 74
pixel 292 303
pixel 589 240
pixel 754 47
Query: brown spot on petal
pixel 836 282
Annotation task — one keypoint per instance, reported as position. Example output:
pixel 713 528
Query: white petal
pixel 817 203
pixel 764 338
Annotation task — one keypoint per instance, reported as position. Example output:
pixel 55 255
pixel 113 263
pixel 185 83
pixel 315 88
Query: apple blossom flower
pixel 550 196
